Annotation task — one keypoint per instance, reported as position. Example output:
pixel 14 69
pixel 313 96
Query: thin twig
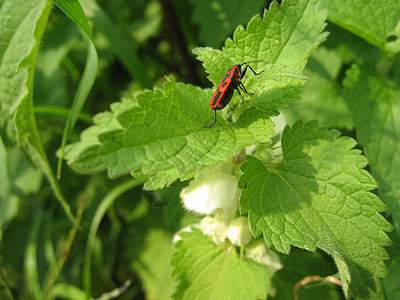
pixel 116 292
pixel 311 279
pixel 65 251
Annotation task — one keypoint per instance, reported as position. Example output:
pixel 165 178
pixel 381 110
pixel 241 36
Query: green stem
pixel 64 254
pixel 62 111
pixel 241 252
pixel 105 203
pixel 5 284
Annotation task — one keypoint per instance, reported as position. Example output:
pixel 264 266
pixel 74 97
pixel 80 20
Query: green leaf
pixel 18 179
pixel 21 35
pixel 374 20
pixel 17 49
pixel 391 282
pixel 8 201
pixel 153 264
pixel 349 47
pixel 282 40
pixel 217 19
pixel 207 271
pixel 375 108
pixel 322 96
pixel 160 134
pixel 319 197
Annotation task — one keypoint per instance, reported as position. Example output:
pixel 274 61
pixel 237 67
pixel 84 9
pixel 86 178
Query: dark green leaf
pixel 319 197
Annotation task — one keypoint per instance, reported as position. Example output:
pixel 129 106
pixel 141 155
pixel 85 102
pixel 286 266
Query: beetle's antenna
pixel 253 61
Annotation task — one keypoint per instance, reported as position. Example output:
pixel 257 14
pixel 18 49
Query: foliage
pixel 102 116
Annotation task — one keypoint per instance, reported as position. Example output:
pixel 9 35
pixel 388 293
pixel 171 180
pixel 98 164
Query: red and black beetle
pixel 232 81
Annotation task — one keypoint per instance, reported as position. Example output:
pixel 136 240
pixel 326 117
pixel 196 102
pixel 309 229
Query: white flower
pixel 215 228
pixel 249 150
pixel 213 189
pixel 258 251
pixel 238 232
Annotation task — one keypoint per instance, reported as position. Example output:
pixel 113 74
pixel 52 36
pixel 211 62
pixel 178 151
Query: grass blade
pixel 84 88
pixel 74 11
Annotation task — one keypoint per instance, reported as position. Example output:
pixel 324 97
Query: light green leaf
pixel 322 97
pixel 207 271
pixel 18 178
pixel 21 35
pixel 17 49
pixel 153 264
pixel 282 41
pixel 287 34
pixel 160 135
pixel 375 108
pixel 8 201
pixel 218 19
pixel 375 21
pixel 319 197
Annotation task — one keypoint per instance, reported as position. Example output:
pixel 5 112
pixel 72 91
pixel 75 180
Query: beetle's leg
pixel 245 70
pixel 241 85
pixel 241 94
pixel 215 119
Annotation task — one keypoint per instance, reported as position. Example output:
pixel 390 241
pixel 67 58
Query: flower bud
pixel 258 251
pixel 239 232
pixel 215 228
pixel 213 189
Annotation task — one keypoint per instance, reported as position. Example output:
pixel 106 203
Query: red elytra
pixel 232 81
